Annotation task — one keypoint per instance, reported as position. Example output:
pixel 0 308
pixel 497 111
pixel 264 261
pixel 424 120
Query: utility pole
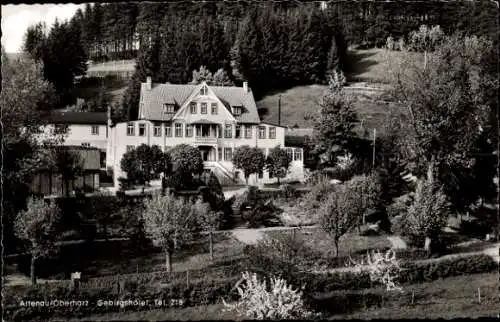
pixel 164 130
pixel 374 140
pixel 279 110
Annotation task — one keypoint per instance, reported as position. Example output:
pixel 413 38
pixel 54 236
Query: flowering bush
pixel 256 301
pixel 383 268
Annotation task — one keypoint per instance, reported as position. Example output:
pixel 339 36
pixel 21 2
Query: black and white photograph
pixel 250 160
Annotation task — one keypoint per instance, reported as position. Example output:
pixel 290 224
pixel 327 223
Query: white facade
pixel 202 120
pixel 89 135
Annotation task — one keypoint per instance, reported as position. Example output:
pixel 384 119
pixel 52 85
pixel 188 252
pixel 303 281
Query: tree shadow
pixel 358 63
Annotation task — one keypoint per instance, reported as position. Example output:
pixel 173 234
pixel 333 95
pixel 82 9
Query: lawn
pixel 124 257
pixel 374 65
pixel 350 243
pixel 372 104
pixel 299 101
pixel 214 312
pixel 451 297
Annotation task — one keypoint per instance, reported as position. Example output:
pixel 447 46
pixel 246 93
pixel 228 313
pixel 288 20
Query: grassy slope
pixel 371 66
pixel 452 297
pixel 447 298
pixel 121 257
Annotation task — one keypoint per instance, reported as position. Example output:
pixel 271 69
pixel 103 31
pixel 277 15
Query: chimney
pixel 148 83
pixel 108 114
pixel 245 87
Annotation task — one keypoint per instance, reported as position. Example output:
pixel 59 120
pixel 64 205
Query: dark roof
pixel 160 94
pixel 299 132
pixel 67 117
pixel 203 121
pixel 273 124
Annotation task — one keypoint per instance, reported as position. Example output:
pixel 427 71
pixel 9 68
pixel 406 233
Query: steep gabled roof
pixel 160 94
pixel 68 117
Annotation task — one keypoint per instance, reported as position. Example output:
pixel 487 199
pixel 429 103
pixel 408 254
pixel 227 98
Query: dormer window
pixel 203 90
pixel 168 108
pixel 237 110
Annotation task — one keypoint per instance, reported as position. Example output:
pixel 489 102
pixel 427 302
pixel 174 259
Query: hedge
pixel 200 293
pixel 203 291
pixel 416 272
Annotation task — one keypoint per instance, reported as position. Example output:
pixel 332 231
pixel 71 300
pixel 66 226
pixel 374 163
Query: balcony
pixel 205 140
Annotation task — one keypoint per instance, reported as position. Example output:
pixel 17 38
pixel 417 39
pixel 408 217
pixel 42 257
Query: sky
pixel 17 18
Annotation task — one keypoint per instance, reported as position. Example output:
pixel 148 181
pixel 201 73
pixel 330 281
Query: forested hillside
pixel 273 46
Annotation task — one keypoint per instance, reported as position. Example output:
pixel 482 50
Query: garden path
pixel 397 242
pixel 251 236
pixel 228 194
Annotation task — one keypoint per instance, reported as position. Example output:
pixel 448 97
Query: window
pixel 203 108
pixel 237 175
pixel 248 132
pixel 178 130
pixel 298 154
pixel 262 132
pixel 203 90
pixel 95 130
pixel 192 107
pixel 228 154
pixel 60 128
pixel 189 130
pixel 168 130
pixel 219 154
pixel 130 129
pixel 261 175
pixel 271 175
pixel 219 127
pixel 237 131
pixel 214 109
pixel 130 148
pixel 157 129
pixel 237 110
pixel 169 108
pixel 228 131
pixel 198 130
pixel 86 144
pixel 142 129
pixel 272 132
pixel 289 152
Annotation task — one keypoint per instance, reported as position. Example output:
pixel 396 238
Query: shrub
pixel 400 205
pixel 288 192
pixel 411 273
pixel 124 184
pixel 281 255
pixel 427 215
pixel 383 268
pixel 279 301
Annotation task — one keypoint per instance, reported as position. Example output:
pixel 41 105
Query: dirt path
pixel 230 193
pixel 251 236
pixel 397 242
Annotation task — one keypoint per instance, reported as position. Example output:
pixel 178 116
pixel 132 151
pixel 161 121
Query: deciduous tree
pixel 250 160
pixel 202 75
pixel 169 223
pixel 37 225
pixel 209 220
pixel 277 162
pixel 221 78
pixel 448 110
pixel 334 125
pixel 339 213
pixel 145 163
pixel 23 98
pixel 187 162
pixel 428 213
